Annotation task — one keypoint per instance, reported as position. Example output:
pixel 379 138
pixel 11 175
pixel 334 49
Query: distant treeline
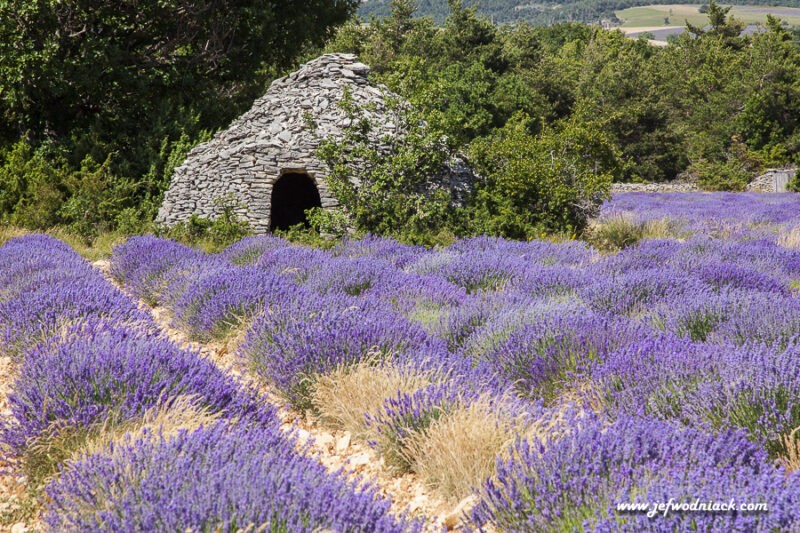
pixel 538 11
pixel 101 99
pixel 713 104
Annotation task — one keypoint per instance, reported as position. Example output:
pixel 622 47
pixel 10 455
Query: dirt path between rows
pixel 334 449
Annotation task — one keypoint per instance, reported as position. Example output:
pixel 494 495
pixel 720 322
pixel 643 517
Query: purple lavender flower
pixel 559 345
pixel 216 303
pixel 51 287
pixel 289 346
pixel 460 384
pixel 575 482
pixel 632 293
pixel 380 249
pixel 655 376
pixel 406 293
pixel 219 478
pixel 572 253
pixel 98 369
pixel 736 216
pixel 141 263
pixel 250 249
pixel 483 271
pixel 351 277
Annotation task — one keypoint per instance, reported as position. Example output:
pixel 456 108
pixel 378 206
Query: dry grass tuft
pixel 665 228
pixel 92 249
pixel 790 459
pixel 618 232
pixel 9 232
pixel 68 444
pixel 581 393
pixel 345 396
pixel 459 451
pixel 790 238
pixel 166 420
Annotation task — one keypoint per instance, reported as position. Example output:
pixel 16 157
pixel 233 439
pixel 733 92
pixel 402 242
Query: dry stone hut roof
pixel 271 148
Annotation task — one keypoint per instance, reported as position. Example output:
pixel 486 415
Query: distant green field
pixel 654 16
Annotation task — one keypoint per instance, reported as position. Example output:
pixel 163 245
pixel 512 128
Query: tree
pixel 387 185
pixel 108 69
pixel 133 83
pixel 769 120
pixel 554 181
pixel 721 25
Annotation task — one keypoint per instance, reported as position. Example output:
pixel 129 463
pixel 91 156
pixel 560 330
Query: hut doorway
pixel 292 194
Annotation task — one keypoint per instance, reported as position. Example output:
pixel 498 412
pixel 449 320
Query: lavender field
pixel 531 386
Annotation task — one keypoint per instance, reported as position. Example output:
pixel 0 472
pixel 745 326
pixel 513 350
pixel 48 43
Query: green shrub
pixel 210 235
pixel 552 182
pixel 31 187
pixel 39 190
pixel 389 191
pixel 727 175
pixel 94 198
pixel 308 236
pixel 794 182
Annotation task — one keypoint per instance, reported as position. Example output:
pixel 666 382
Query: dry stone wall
pixel 280 135
pixel 653 187
pixel 773 180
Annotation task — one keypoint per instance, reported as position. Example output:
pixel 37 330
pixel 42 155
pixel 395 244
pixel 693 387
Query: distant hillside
pixel 541 11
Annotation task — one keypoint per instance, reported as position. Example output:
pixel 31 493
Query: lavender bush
pixel 215 304
pixel 141 262
pixel 683 347
pixel 558 348
pixel 49 287
pixel 291 345
pixel 726 215
pixel 576 482
pixel 98 370
pixel 218 478
pixel 405 414
pixel 250 249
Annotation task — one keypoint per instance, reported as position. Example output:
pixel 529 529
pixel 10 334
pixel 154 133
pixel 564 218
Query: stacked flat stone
pixel 280 135
pixel 773 180
pixel 653 187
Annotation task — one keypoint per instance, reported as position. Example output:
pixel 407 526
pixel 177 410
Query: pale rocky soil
pixel 12 482
pixel 334 449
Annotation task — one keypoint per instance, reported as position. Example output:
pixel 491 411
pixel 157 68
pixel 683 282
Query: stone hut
pixel 773 180
pixel 265 161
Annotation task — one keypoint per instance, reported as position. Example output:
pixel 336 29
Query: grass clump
pixel 790 238
pixel 347 395
pixel 9 232
pixel 618 232
pixel 790 457
pixel 60 445
pixel 460 450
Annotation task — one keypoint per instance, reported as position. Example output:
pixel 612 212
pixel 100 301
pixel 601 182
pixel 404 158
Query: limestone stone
pixel 654 187
pixel 773 180
pixel 343 443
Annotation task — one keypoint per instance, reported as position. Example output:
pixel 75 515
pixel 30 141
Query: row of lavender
pixel 93 372
pixel 726 215
pixel 667 371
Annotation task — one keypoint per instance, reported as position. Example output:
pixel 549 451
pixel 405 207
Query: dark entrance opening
pixel 292 194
